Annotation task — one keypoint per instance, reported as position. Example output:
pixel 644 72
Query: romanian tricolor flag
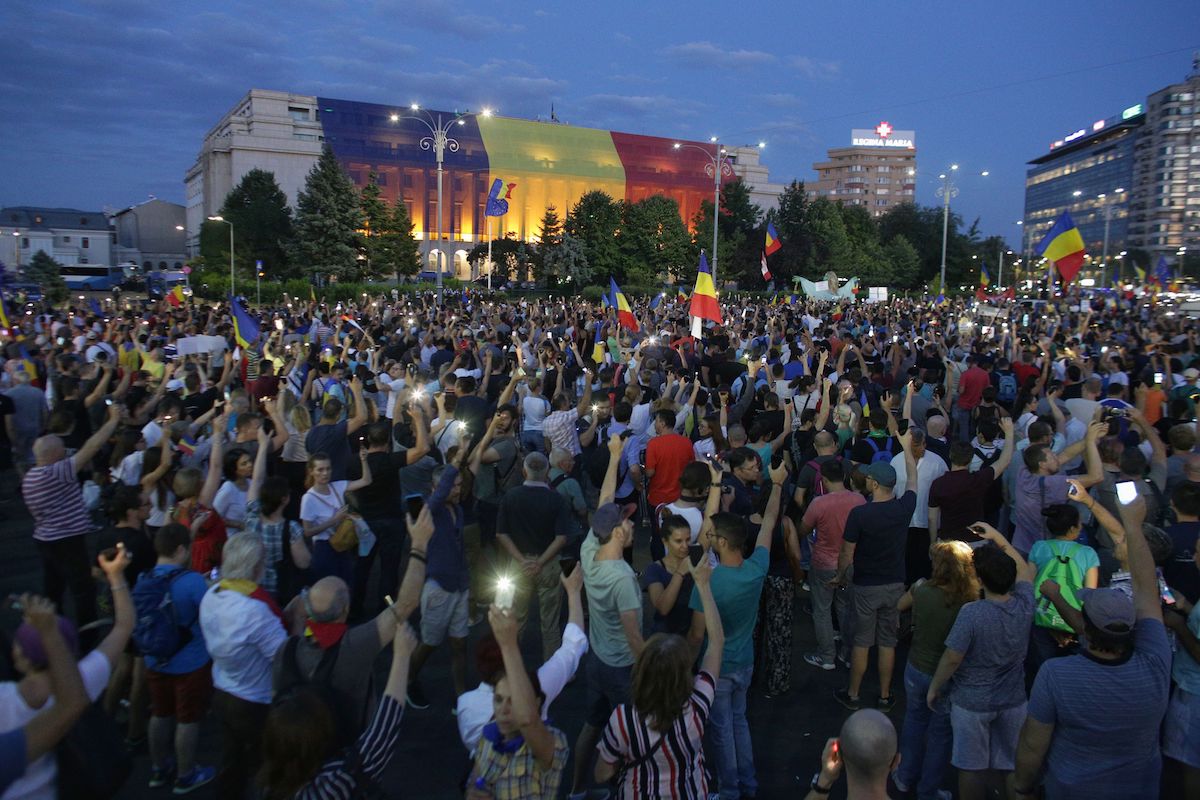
pixel 704 297
pixel 175 297
pixel 984 278
pixel 245 329
pixel 598 346
pixel 1141 275
pixel 624 311
pixel 766 273
pixel 25 363
pixel 1064 246
pixel 3 313
pixel 187 446
pixel 680 296
pixel 773 243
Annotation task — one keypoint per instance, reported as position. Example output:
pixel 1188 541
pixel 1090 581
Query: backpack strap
pixel 556 482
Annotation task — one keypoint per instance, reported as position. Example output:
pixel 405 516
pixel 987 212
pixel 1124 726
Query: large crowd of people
pixel 231 531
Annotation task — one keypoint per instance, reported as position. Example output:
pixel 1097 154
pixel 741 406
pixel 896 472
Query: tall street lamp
pixel 719 165
pixel 1104 198
pixel 219 218
pixel 946 191
pixel 439 140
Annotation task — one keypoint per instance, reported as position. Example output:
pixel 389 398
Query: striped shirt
pixel 676 768
pixel 375 747
pixel 55 500
pixel 559 428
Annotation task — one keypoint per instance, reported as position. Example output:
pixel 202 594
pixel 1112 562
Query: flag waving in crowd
pixel 704 298
pixel 772 245
pixel 625 315
pixel 984 279
pixel 244 327
pixel 1063 245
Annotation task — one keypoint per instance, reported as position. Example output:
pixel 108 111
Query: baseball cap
pixel 1106 608
pixel 175 385
pixel 882 472
pixel 607 518
pixel 1191 373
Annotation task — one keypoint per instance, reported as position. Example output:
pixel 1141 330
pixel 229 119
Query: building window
pixel 84 243
pixel 66 240
pixel 298 114
pixel 408 180
pixel 24 242
pixel 82 220
pixel 83 260
pixel 178 265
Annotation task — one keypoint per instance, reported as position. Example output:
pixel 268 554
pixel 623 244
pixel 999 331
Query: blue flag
pixel 1162 271
pixel 94 305
pixel 245 329
pixel 657 300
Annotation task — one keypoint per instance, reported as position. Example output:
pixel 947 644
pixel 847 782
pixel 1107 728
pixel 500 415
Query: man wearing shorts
pixel 874 544
pixel 180 686
pixel 985 654
pixel 446 593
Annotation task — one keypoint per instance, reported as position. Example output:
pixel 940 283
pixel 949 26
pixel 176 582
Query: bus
pixel 92 277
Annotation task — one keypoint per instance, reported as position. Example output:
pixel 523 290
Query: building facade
pixel 1136 173
pixel 877 171
pixel 550 163
pixel 68 235
pixel 150 235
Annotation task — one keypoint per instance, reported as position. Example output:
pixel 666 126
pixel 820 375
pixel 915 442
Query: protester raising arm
pixel 216 457
pixel 84 455
pixel 124 615
pixel 608 489
pixel 408 596
pixel 524 702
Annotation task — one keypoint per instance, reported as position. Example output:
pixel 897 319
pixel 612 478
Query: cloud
pixel 707 54
pixel 778 100
pixel 442 16
pixel 815 69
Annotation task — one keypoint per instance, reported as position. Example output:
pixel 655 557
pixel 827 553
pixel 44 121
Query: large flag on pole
pixel 984 278
pixel 498 197
pixel 245 329
pixel 766 273
pixel 773 244
pixel 704 303
pixel 3 313
pixel 624 311
pixel 1162 271
pixel 1063 245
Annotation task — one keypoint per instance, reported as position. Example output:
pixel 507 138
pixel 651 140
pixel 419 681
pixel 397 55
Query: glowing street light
pixel 719 165
pixel 219 218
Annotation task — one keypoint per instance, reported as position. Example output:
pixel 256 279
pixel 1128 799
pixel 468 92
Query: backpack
pixel 1006 388
pixel 880 453
pixel 158 632
pixel 291 680
pixel 1063 570
pixel 818 489
pixel 986 459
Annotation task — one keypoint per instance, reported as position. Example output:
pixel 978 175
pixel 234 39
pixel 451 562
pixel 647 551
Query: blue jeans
pixel 962 423
pixel 326 561
pixel 533 442
pixel 925 739
pixel 729 736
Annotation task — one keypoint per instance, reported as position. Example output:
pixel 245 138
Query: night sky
pixel 106 102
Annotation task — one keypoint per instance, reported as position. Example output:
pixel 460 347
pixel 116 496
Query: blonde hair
pixel 954 572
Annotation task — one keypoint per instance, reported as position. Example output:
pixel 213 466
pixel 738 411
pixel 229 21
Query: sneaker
pixel 843 662
pixel 885 704
pixel 843 697
pixel 198 777
pixel 817 661
pixel 161 777
pixel 416 696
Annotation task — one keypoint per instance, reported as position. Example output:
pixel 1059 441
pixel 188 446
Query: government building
pixel 552 164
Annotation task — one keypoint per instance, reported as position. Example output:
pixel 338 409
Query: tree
pixel 595 221
pixel 548 240
pixel 654 243
pixel 508 254
pixel 43 270
pixel 569 263
pixel 262 225
pixel 328 221
pixel 388 243
pixel 832 249
pixel 905 263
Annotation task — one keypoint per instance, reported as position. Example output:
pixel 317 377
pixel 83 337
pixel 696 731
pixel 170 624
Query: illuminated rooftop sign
pixel 882 135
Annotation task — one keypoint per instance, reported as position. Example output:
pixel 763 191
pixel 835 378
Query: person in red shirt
pixel 970 391
pixel 666 456
pixel 1025 369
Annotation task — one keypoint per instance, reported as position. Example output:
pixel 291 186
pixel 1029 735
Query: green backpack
pixel 1063 570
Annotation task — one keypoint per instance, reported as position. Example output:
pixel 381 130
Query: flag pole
pixel 489 235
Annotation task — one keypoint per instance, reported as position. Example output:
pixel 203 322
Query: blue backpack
pixel 158 631
pixel 1006 389
pixel 880 453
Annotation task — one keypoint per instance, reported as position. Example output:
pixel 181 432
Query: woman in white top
pixel 534 408
pixel 230 502
pixel 156 463
pixel 322 510
pixel 711 432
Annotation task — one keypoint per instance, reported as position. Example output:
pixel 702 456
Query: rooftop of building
pixel 38 218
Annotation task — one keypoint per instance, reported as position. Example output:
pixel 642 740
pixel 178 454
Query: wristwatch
pixel 817 787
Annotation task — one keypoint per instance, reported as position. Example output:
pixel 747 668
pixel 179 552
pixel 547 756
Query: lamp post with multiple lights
pixel 719 165
pixel 219 218
pixel 439 140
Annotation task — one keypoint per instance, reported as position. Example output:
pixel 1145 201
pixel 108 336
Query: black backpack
pixel 291 680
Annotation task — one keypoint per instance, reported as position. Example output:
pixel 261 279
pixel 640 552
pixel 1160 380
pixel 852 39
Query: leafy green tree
pixel 262 225
pixel 905 263
pixel 43 270
pixel 549 238
pixel 832 249
pixel 595 221
pixel 388 241
pixel 568 263
pixel 328 220
pixel 508 254
pixel 791 223
pixel 654 243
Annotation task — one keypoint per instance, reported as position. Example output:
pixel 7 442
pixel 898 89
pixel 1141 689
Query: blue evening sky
pixel 105 102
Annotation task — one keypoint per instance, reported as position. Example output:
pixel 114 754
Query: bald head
pixel 329 600
pixel 936 425
pixel 825 443
pixel 868 746
pixel 48 450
